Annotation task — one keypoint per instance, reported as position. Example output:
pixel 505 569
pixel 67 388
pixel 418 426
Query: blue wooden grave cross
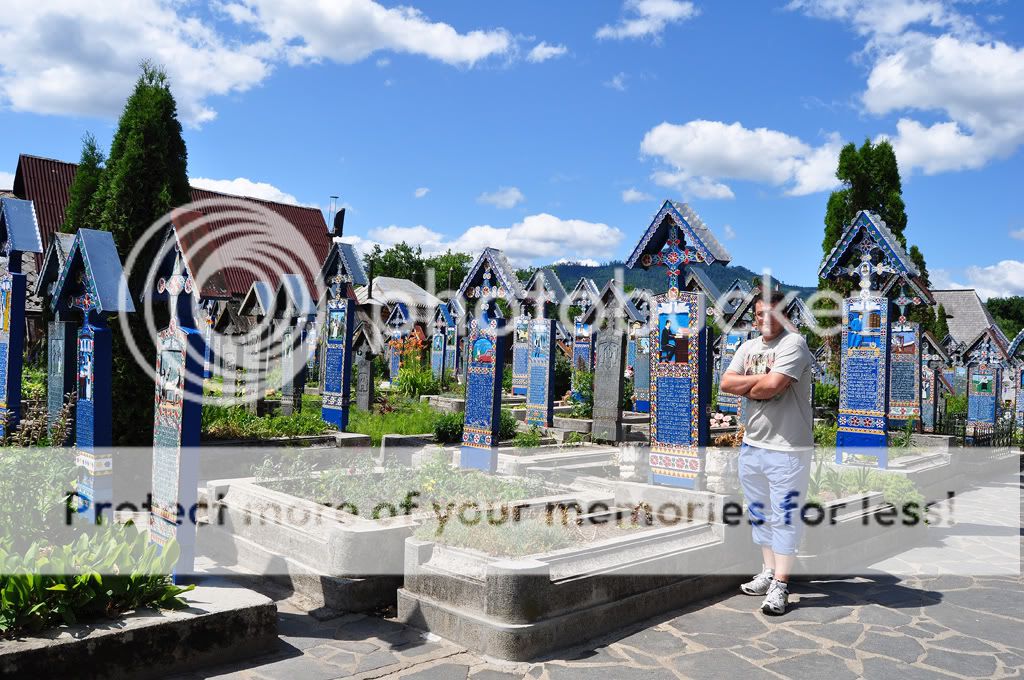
pixel 903 301
pixel 673 256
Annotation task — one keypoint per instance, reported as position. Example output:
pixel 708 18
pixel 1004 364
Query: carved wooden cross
pixel 903 301
pixel 177 283
pixel 674 255
pixel 985 354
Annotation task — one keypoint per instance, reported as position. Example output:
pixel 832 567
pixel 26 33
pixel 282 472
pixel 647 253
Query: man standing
pixel 773 372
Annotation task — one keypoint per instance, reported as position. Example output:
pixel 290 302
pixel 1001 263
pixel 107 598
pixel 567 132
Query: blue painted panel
pixel 674 411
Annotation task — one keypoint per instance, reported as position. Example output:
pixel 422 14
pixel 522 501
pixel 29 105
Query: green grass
pixel 236 422
pixel 411 417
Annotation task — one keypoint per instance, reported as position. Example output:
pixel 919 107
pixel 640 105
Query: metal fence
pixel 955 424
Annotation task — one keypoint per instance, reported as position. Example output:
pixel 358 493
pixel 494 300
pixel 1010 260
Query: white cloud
pixel 700 153
pixel 383 62
pixel 634 195
pixel 1003 279
pixel 64 57
pixel 647 18
pixel 351 31
pixel 6 180
pixel 728 232
pixel 926 56
pixel 1018 234
pixel 617 82
pixel 421 192
pixel 885 21
pixel 980 87
pixel 543 237
pixel 242 186
pixel 537 238
pixel 504 197
pixel 543 51
pixel 585 262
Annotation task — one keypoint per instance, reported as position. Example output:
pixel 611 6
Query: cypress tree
pixel 941 324
pixel 83 187
pixel 145 177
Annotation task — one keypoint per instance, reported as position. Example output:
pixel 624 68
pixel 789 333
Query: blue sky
pixel 555 129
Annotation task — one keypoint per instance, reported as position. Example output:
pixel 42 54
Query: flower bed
pixel 337 536
pixel 533 588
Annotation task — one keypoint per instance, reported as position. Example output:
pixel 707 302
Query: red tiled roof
pixel 46 182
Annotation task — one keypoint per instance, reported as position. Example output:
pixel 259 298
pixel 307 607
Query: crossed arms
pixel 761 387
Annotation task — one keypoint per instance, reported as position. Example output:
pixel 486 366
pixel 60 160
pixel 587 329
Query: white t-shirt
pixel 785 422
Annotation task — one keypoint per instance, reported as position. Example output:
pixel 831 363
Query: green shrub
pixel 714 398
pixel 507 426
pixel 100 575
pixel 415 380
pixel 826 395
pixel 898 490
pixel 573 438
pixel 627 395
pixel 529 439
pixel 33 382
pixel 448 427
pixel 825 435
pixel 506 380
pixel 956 403
pixel 563 375
pixel 35 484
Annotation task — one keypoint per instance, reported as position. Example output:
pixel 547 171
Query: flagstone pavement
pixel 873 625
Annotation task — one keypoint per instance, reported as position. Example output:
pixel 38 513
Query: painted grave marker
pixel 520 355
pixel 491 278
pixel 731 341
pixel 982 400
pixel 609 378
pixel 540 401
pixel 364 378
pixel 904 374
pixel 337 361
pixel 92 282
pixel 177 422
pixel 19 233
pixel 680 349
pixel 483 394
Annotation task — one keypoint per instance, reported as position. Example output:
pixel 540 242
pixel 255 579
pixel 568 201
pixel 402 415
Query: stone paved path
pixel 873 626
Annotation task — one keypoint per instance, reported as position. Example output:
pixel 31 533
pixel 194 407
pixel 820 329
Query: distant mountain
pixel 654 278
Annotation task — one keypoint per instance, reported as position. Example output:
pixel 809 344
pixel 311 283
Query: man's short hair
pixel 774 298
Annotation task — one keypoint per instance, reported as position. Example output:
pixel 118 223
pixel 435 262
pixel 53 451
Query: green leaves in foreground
pixel 100 575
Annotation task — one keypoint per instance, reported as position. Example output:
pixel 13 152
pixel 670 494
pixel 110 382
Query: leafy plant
pixel 32 429
pixel 898 490
pixel 825 435
pixel 33 382
pixel 573 438
pixel 627 395
pixel 100 575
pixel 529 439
pixel 563 374
pixel 35 484
pixel 956 403
pixel 826 395
pixel 507 426
pixel 506 380
pixel 415 380
pixel 448 427
pixel 237 422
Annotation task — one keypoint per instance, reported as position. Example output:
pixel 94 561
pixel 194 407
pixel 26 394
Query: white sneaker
pixel 760 583
pixel 777 599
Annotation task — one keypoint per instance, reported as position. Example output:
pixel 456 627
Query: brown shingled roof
pixel 47 181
